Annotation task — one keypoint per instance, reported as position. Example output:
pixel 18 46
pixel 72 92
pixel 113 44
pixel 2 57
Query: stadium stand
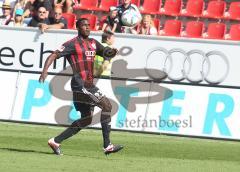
pixel 194 8
pixel 106 4
pixel 208 19
pixel 71 18
pixel 151 7
pixel 136 2
pixel 87 5
pixel 194 29
pixel 157 23
pixel 171 28
pixel 234 33
pixel 215 31
pixel 234 11
pixel 171 7
pixel 215 9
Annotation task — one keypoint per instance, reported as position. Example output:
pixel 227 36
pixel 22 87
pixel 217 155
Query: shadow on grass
pixel 25 151
pixel 50 153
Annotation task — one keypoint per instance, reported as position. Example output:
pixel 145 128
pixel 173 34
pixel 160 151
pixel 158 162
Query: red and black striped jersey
pixel 80 54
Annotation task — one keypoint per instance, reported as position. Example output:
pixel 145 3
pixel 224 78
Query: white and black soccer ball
pixel 131 17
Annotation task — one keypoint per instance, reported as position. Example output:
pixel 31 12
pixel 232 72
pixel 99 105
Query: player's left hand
pixel 110 52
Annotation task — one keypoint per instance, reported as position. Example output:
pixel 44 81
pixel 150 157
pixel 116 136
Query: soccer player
pixel 80 52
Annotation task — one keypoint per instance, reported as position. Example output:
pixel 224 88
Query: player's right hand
pixel 42 77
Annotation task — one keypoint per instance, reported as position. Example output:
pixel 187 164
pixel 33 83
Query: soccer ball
pixel 131 18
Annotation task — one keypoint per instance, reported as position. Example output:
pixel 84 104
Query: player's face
pixel 84 28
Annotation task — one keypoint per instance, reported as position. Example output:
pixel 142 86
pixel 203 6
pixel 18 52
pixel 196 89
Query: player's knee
pixel 107 107
pixel 105 118
pixel 81 123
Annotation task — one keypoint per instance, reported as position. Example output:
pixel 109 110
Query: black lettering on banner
pixel 21 57
pixel 42 52
pixel 12 55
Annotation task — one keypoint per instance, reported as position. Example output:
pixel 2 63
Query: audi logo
pixel 205 67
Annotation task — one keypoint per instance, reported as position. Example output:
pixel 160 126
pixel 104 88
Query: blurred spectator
pixel 65 4
pixel 39 18
pixel 29 9
pixel 48 4
pixel 56 22
pixel 18 19
pixel 1 2
pixel 126 5
pixel 146 27
pixel 6 17
pixel 101 66
pixel 112 21
pixel 20 4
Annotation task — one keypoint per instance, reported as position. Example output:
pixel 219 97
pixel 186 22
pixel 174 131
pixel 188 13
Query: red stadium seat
pixel 71 20
pixel 171 7
pixel 215 31
pixel 106 4
pixel 151 6
pixel 215 9
pixel 90 5
pixel 234 32
pixel 194 29
pixel 171 28
pixel 156 23
pixel 92 20
pixel 101 22
pixel 233 12
pixel 194 8
pixel 136 2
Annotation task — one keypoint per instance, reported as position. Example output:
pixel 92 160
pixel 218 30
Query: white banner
pixel 137 106
pixel 194 61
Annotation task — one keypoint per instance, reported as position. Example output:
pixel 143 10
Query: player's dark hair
pixel 106 35
pixel 79 21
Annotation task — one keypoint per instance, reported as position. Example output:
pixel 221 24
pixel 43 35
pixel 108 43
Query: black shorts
pixel 85 99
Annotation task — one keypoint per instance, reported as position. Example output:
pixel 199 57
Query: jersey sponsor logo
pixel 90 53
pixel 94 45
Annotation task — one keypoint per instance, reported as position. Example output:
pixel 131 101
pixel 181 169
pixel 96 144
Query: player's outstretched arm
pixel 109 53
pixel 47 63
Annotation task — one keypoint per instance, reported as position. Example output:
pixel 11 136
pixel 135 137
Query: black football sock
pixel 106 128
pixel 69 132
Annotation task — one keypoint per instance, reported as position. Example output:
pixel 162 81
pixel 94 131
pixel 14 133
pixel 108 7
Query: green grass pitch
pixel 23 148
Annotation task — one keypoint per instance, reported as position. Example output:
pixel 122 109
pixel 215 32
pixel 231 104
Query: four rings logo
pixel 187 66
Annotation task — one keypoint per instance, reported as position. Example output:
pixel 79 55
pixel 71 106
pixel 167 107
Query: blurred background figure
pixel 129 16
pixel 48 4
pixel 20 4
pixel 111 23
pixel 1 3
pixel 18 19
pixel 6 10
pixel 146 27
pixel 101 66
pixel 56 22
pixel 40 18
pixel 65 4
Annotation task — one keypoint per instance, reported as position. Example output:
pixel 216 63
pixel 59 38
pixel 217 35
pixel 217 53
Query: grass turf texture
pixel 23 148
